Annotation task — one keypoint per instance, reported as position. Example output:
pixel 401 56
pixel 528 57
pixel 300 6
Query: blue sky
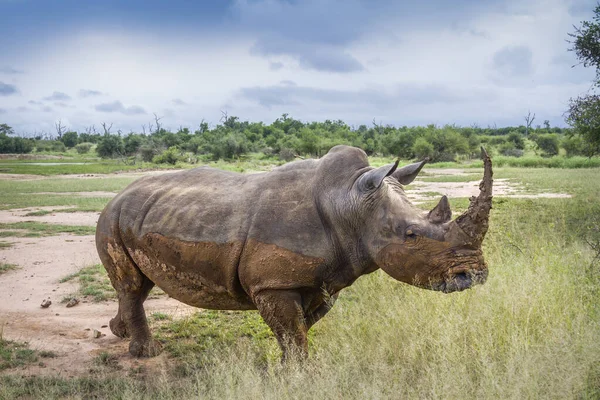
pixel 403 63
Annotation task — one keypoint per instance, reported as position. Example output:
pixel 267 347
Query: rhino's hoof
pixel 117 327
pixel 149 348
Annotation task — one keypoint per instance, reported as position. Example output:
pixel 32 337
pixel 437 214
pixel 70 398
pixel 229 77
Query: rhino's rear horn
pixel 474 222
pixel 441 213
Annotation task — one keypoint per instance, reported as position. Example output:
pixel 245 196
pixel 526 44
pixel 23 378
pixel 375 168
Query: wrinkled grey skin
pixel 283 242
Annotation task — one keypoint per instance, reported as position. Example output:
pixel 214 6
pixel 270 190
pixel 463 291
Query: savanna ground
pixel 532 331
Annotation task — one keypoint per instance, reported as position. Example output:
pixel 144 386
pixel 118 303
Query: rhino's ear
pixel 441 213
pixel 407 174
pixel 372 179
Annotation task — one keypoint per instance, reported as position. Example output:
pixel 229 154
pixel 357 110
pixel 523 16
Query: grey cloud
pixel 47 109
pixel 316 33
pixel 2 111
pixel 35 102
pixel 117 106
pixel 275 66
pixel 63 104
pixel 23 109
pixel 58 96
pixel 513 61
pixel 320 57
pixel 402 94
pixel 7 69
pixel 178 102
pixel 89 93
pixel 7 89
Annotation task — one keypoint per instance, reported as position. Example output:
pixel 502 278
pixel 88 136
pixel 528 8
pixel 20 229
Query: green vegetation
pixel 5 245
pixel 38 229
pixel 28 193
pixel 6 267
pixel 584 111
pixel 14 354
pixel 287 138
pixel 94 283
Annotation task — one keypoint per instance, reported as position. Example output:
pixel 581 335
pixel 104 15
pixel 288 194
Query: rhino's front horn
pixel 474 222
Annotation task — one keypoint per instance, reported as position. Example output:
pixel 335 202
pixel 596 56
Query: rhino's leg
pixel 282 311
pixel 131 310
pixel 132 288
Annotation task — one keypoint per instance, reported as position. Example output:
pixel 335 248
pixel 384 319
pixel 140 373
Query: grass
pixel 93 283
pixel 26 193
pixel 452 178
pixel 15 354
pixel 530 332
pixel 65 166
pixel 6 267
pixel 5 245
pixel 39 229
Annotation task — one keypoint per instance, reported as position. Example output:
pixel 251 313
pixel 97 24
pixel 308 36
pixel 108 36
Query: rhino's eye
pixel 410 233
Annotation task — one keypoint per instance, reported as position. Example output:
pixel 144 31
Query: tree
pixel 584 111
pixel 69 139
pixel 529 120
pixel 110 146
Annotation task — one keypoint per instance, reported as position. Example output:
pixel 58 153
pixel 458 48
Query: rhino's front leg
pixel 282 311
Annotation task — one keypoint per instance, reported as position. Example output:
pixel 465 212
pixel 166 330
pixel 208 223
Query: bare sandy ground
pixel 68 332
pixel 61 218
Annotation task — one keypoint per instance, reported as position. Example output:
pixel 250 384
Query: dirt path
pixel 61 218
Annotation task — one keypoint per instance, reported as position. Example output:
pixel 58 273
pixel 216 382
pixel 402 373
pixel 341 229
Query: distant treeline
pixel 287 138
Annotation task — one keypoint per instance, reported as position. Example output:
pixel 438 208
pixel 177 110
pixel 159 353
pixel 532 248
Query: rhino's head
pixel 428 250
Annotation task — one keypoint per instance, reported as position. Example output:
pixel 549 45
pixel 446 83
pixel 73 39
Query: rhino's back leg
pixel 132 288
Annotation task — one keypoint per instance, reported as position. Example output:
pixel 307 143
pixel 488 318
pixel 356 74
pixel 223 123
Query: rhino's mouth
pixel 461 281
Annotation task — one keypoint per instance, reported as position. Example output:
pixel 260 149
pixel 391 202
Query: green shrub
pixel 147 152
pixel 169 156
pixel 83 148
pixel 517 139
pixel 422 148
pixel 50 145
pixel 110 146
pixel 547 143
pixel 574 146
pixel 69 139
pixel 286 154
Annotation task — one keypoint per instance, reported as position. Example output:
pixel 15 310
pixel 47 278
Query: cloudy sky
pixel 398 62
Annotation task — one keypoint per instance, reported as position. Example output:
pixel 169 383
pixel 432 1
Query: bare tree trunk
pixel 528 120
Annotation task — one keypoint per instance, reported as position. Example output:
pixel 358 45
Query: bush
pixel 15 144
pixel 547 143
pixel 50 145
pixel 69 139
pixel 110 146
pixel 148 152
pixel 422 148
pixel 83 148
pixel 132 143
pixel 517 139
pixel 169 156
pixel 574 146
pixel 286 154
